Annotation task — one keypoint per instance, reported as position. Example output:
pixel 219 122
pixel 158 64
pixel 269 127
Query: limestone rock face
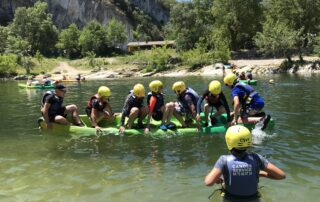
pixel 80 12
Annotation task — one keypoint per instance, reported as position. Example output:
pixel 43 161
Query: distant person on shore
pixel 53 110
pixel 158 110
pixel 186 104
pixel 215 99
pixel 133 108
pixel 80 78
pixel 247 104
pixel 239 171
pixel 98 107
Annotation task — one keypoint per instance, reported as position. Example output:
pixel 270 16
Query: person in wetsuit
pixel 158 110
pixel 133 108
pixel 98 107
pixel 187 100
pixel 53 110
pixel 240 171
pixel 214 98
pixel 247 103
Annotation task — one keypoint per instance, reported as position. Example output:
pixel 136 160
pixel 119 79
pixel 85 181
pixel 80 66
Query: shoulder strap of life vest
pixel 45 95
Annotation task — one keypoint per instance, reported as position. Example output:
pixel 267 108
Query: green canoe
pixel 250 82
pixel 113 128
pixel 21 85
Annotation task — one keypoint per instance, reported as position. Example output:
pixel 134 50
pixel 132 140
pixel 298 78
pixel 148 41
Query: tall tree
pixel 3 38
pixel 93 38
pixel 302 16
pixel 69 41
pixel 116 32
pixel 239 19
pixel 35 26
pixel 277 38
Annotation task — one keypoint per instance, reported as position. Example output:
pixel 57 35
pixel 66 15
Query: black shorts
pixel 157 115
pixel 217 105
pixel 61 112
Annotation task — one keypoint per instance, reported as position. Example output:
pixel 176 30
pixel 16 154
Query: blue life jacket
pixel 160 100
pixel 194 95
pixel 250 93
pixel 243 175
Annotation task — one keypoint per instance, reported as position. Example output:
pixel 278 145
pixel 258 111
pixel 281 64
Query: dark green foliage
pixel 3 38
pixel 35 26
pixel 69 41
pixel 277 39
pixel 93 38
pixel 116 32
pixel 8 65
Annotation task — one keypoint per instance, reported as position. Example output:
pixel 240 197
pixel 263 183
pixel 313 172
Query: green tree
pixel 239 19
pixel 35 26
pixel 39 57
pixel 191 24
pixel 8 65
pixel 17 45
pixel 182 26
pixel 301 16
pixel 116 32
pixel 93 38
pixel 69 41
pixel 277 39
pixel 3 38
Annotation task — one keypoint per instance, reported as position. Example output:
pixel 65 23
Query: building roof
pixel 149 43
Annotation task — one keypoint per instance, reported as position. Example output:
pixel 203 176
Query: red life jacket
pixel 89 104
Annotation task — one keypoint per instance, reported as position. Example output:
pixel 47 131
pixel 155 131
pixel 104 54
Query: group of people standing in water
pixel 240 169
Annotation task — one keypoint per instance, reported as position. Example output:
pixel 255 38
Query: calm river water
pixel 34 167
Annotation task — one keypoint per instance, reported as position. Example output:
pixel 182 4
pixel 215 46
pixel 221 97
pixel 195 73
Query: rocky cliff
pixel 80 12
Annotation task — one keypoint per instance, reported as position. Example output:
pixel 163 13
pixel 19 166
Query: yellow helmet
pixel 238 137
pixel 104 91
pixel 230 79
pixel 215 87
pixel 179 87
pixel 138 90
pixel 155 85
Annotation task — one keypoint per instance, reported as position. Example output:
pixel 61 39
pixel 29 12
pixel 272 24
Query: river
pixel 35 167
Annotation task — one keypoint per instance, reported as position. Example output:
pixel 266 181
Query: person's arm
pixel 94 115
pixel 191 105
pixel 272 172
pixel 199 104
pixel 213 177
pixel 236 108
pixel 153 102
pixel 226 106
pixel 45 112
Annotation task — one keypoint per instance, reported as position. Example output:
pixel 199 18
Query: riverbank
pixel 116 69
pixel 256 66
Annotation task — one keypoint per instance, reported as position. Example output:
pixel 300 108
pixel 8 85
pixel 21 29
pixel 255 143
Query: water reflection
pixel 36 167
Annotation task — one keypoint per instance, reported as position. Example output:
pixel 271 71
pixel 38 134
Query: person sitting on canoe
pixel 133 108
pixel 239 172
pixel 53 111
pixel 214 98
pixel 157 109
pixel 242 76
pixel 98 107
pixel 186 105
pixel 247 104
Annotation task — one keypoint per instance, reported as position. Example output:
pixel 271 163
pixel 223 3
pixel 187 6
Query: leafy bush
pixel 8 65
pixel 195 58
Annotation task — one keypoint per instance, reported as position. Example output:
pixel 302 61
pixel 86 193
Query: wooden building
pixel 143 45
